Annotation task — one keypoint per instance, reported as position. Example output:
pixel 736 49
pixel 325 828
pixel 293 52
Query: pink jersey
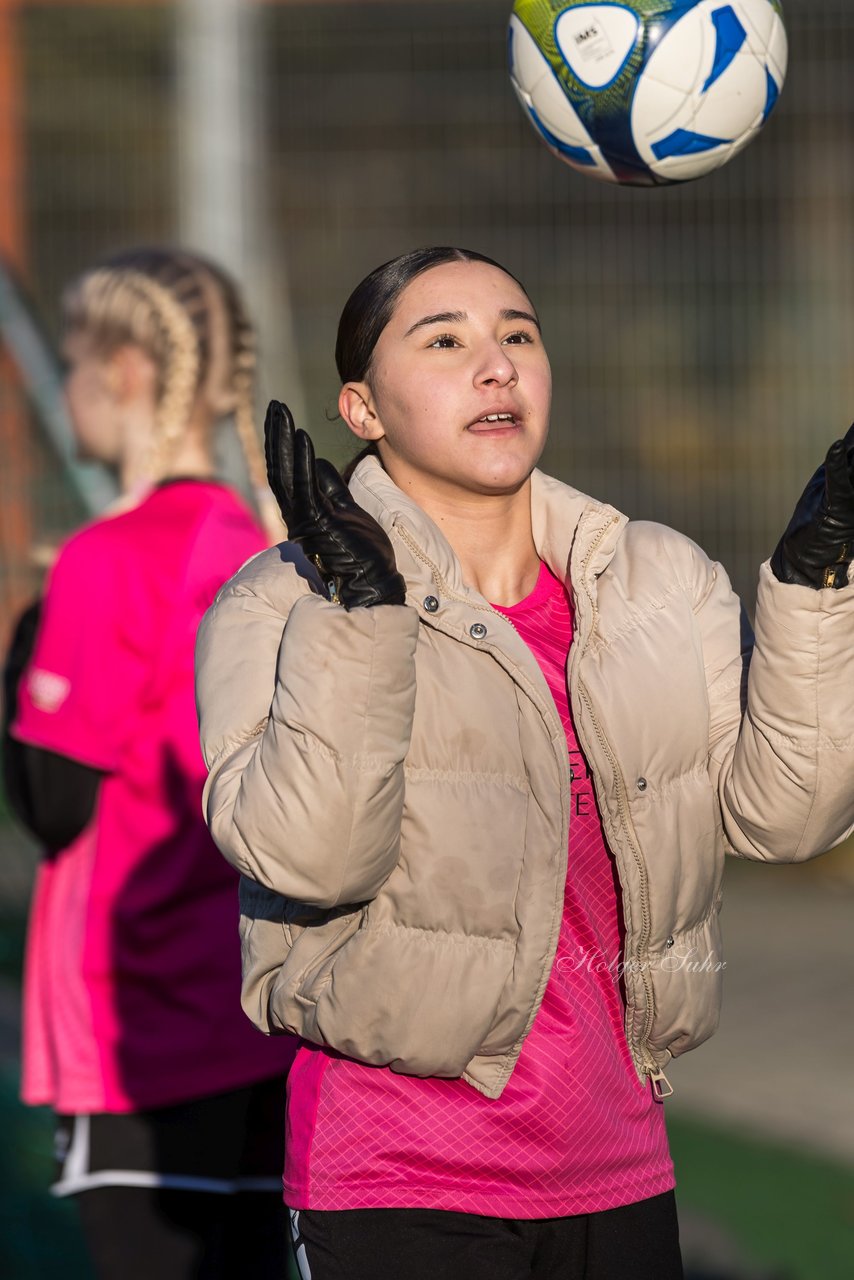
pixel 575 1131
pixel 132 985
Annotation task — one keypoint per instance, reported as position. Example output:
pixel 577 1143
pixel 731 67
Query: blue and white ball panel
pixel 708 86
pixel 767 37
pixel 596 41
pixel 547 106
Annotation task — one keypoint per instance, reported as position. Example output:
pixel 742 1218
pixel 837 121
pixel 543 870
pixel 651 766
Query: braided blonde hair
pixel 244 368
pixel 188 316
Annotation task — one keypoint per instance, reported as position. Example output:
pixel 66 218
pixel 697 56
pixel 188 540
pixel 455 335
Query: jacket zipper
pixel 439 582
pixel 661 1085
pixel 443 587
pixel 649 1065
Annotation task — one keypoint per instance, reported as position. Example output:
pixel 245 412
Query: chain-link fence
pixel 701 336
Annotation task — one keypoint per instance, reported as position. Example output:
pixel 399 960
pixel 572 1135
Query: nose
pixel 496 368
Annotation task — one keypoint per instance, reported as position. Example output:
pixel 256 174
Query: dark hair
pixel 370 306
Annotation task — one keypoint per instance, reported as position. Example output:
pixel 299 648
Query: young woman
pixel 170 1104
pixel 477 744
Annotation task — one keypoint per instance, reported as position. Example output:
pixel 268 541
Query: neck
pixel 191 455
pixel 191 458
pixel 492 538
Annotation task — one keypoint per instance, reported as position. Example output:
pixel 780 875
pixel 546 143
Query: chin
pixel 501 482
pixel 505 471
pixel 95 451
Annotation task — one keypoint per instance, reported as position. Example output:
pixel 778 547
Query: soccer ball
pixel 649 91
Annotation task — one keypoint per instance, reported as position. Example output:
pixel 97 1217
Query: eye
pixel 445 341
pixel 520 336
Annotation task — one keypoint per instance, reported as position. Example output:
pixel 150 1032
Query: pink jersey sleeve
pixel 77 693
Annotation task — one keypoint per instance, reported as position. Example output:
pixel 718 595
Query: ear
pixel 357 408
pixel 131 375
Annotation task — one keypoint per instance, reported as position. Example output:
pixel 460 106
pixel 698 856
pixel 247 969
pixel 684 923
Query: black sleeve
pixel 52 796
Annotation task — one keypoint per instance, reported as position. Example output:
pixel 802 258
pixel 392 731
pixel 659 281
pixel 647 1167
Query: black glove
pixel 353 554
pixel 818 546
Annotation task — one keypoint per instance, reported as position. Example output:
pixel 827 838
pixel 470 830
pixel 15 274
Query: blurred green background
pixel 702 342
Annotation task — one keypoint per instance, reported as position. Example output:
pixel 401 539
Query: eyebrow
pixel 510 314
pixel 459 317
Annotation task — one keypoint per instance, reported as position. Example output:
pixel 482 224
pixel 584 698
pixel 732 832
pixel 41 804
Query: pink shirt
pixel 575 1131
pixel 132 983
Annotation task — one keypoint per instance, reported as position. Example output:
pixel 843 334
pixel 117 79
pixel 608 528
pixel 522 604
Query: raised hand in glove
pixel 818 546
pixel 351 551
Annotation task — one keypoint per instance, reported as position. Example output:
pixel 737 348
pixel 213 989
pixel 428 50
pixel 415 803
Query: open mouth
pixel 495 420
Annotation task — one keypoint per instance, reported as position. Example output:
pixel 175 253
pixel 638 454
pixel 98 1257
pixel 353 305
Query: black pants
pixel 158 1233
pixel 636 1242
pixel 187 1192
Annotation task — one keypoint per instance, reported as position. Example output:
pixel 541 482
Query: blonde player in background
pixel 169 1103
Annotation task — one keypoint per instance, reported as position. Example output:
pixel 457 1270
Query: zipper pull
pixel 661 1086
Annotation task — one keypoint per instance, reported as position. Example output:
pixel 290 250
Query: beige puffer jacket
pixel 393 782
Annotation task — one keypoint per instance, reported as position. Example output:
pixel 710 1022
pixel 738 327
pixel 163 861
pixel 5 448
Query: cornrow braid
pixel 188 315
pixel 181 376
pixel 118 304
pixel 243 377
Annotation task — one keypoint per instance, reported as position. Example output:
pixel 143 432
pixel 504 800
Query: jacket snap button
pixel 669 942
pixel 477 631
pixel 642 784
pixel 431 604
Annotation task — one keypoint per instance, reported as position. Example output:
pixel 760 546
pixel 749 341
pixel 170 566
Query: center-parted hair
pixel 188 316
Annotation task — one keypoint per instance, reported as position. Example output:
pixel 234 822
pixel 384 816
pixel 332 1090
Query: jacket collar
pixel 574 534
